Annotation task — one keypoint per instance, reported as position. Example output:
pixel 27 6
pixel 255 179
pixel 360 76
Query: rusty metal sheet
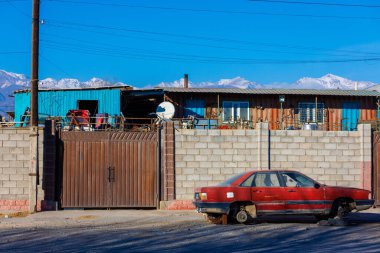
pixel 109 169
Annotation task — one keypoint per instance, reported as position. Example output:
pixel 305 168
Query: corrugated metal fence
pixel 109 169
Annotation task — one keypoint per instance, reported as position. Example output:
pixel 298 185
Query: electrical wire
pixel 13 52
pixel 197 58
pixel 72 25
pixel 91 43
pixel 212 10
pixel 317 3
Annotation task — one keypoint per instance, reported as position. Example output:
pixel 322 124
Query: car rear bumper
pixel 364 204
pixel 212 207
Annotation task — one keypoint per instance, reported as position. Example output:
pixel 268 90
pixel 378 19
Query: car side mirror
pixel 317 186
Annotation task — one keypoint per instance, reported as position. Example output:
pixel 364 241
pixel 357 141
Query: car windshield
pixel 229 181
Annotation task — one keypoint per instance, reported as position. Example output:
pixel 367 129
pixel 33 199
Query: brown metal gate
pixel 376 167
pixel 109 169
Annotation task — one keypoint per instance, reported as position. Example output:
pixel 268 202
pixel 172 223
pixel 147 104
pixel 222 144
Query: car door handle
pixel 257 191
pixel 292 191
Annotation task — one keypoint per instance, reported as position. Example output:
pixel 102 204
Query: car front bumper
pixel 364 204
pixel 212 207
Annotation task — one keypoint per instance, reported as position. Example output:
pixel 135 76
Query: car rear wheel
pixel 242 216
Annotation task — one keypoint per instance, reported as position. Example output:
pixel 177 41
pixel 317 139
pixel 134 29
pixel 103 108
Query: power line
pixel 213 10
pixel 16 8
pixel 92 43
pixel 13 52
pixel 317 3
pixel 76 25
pixel 197 58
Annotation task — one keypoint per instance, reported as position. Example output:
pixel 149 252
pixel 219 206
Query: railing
pixel 107 123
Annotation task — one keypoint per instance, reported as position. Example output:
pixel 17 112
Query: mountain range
pixel 9 82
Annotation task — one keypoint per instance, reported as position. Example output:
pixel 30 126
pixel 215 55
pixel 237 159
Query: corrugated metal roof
pixel 275 91
pixel 127 87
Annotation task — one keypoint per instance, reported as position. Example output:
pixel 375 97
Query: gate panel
pixel 84 169
pixel 109 169
pixel 134 161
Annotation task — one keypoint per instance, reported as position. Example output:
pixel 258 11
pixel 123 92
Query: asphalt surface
pixel 182 231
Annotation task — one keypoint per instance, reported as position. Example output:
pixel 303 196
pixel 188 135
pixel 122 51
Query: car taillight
pixel 203 196
pixel 369 195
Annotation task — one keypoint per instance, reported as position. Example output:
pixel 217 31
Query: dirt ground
pixel 182 231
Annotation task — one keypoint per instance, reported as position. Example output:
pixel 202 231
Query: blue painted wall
pixel 59 102
pixel 350 116
pixel 194 107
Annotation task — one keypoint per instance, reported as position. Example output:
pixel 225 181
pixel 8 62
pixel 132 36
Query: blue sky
pixel 148 41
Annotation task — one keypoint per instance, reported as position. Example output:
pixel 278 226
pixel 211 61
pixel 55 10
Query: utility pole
pixel 35 51
pixel 34 163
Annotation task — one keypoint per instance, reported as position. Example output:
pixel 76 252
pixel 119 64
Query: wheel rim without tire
pixel 242 216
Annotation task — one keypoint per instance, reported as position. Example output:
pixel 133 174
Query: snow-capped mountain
pixel 331 81
pixel 328 81
pixel 237 82
pixel 9 82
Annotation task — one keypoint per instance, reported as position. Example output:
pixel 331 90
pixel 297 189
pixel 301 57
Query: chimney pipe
pixel 356 85
pixel 186 81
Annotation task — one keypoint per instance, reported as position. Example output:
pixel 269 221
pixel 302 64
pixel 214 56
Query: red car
pixel 258 193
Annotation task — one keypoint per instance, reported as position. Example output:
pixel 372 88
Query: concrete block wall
pixel 15 181
pixel 207 157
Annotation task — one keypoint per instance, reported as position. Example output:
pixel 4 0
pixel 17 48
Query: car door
pixel 303 195
pixel 267 193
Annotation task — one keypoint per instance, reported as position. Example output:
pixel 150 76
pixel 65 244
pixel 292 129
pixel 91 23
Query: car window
pixel 268 179
pixel 229 181
pixel 248 182
pixel 293 179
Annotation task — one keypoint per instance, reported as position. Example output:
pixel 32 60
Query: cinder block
pixel 251 145
pixel 201 158
pixel 192 151
pixel 4 137
pixel 188 158
pixel 213 171
pixel 9 184
pixel 226 158
pixel 201 132
pixel 218 164
pixel 226 132
pixel 10 144
pixel 4 191
pixel 238 145
pixel 200 145
pixel 188 171
pixel 16 190
pixel 16 177
pixel 192 164
pixel 238 158
pixel 192 177
pixel 214 132
pixel 330 145
pixel 280 158
pixel 187 145
pixel 205 151
pixel 213 145
pixel 230 151
pixel 238 132
pixel 225 145
pixel 205 164
pixel 241 165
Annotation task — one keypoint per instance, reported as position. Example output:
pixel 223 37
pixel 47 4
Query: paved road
pixel 169 231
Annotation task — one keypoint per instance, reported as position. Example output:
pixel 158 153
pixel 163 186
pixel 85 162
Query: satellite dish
pixel 165 110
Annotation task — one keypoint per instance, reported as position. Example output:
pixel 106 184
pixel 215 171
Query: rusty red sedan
pixel 259 193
